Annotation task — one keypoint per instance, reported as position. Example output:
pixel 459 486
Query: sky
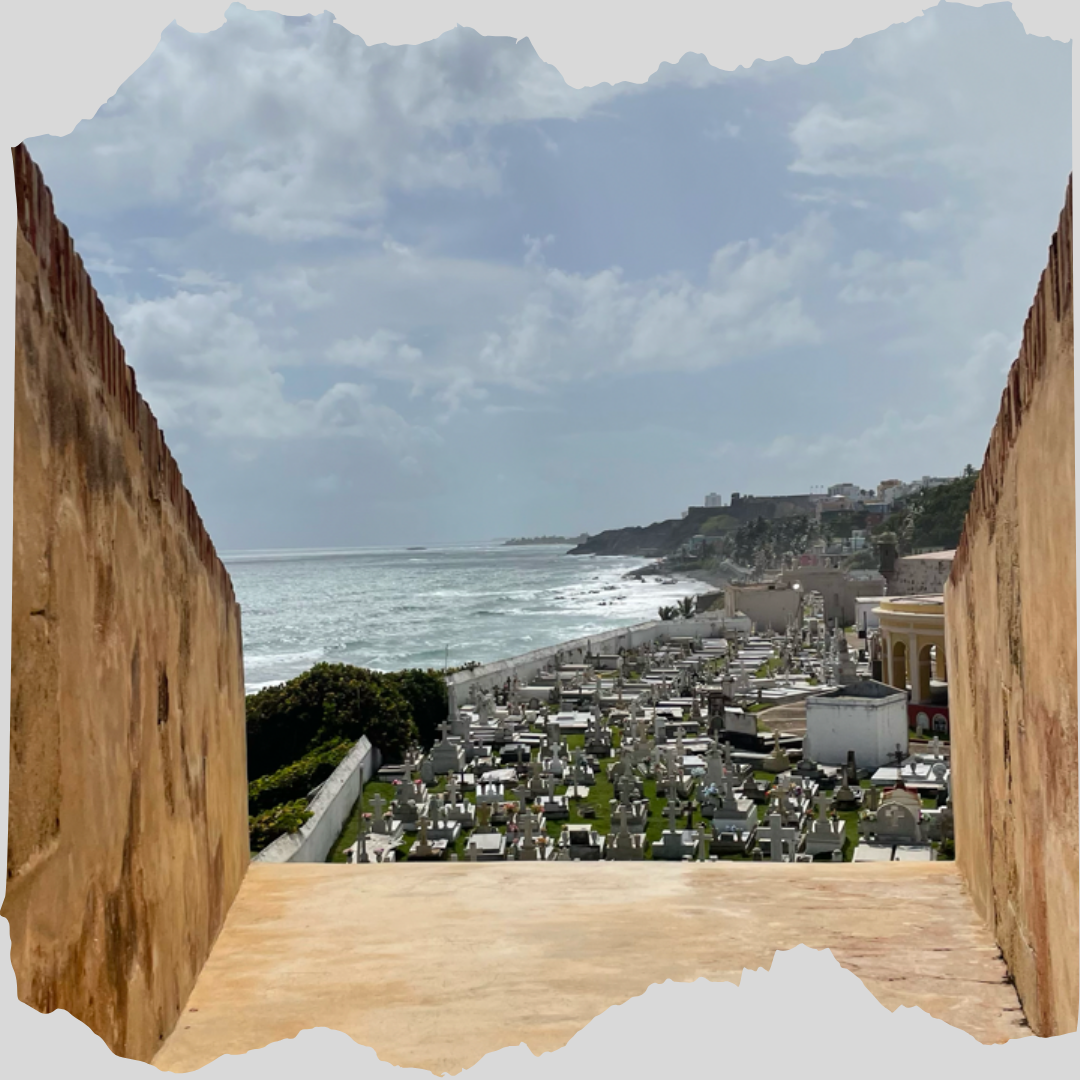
pixel 433 293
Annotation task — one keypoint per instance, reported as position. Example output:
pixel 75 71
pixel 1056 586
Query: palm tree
pixel 686 606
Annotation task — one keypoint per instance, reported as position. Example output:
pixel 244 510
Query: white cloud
pixel 874 277
pixel 567 326
pixel 295 285
pixel 385 350
pixel 961 406
pixel 202 364
pixel 872 140
pixel 298 131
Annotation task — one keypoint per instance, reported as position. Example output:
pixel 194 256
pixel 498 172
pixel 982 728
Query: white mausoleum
pixel 866 717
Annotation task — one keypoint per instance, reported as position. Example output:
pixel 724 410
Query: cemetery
pixel 657 752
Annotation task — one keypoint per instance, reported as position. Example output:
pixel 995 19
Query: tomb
pixel 455 809
pixel 897 820
pixel 514 753
pixel 444 829
pixel 847 797
pixel 826 834
pixel 425 848
pixel 675 844
pixel 729 814
pixel 777 761
pixel 410 804
pixel 777 843
pixel 624 844
pixel 447 756
pixel 486 846
pixel 582 842
pixel 554 807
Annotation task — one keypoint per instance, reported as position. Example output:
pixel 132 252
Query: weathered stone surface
pixel 127 835
pixel 1010 609
pixel 569 939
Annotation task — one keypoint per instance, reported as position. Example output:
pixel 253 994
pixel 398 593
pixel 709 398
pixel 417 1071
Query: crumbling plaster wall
pixel 1010 608
pixel 127 837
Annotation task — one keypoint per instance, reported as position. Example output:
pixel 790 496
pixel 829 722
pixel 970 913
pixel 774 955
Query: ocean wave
pixel 309 656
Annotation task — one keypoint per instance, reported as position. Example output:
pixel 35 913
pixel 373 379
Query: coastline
pixel 709 577
pixel 713 578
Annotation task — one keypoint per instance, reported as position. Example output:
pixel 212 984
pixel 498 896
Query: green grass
pixel 850 818
pixel 599 797
pixel 352 825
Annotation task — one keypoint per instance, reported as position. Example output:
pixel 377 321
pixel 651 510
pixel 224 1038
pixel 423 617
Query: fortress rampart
pixel 1010 605
pixel 127 835
pixel 87 327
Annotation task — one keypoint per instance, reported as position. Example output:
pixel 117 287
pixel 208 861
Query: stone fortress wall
pixel 921 575
pixel 127 836
pixel 1010 608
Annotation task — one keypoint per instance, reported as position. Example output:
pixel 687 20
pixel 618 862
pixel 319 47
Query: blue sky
pixel 432 293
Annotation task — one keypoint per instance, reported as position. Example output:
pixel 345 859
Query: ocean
pixel 393 608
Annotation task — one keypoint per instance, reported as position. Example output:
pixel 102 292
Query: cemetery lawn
pixel 599 797
pixel 352 825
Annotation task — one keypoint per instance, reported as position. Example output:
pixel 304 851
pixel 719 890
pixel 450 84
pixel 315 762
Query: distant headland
pixel 524 541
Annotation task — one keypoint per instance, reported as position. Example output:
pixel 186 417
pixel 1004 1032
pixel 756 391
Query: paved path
pixel 418 961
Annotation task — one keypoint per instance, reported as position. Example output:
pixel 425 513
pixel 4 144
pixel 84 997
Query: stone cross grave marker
pixel 778 836
pixel 423 847
pixel 378 804
pixel 522 793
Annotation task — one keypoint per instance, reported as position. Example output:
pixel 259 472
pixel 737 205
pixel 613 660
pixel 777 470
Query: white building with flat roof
pixel 867 718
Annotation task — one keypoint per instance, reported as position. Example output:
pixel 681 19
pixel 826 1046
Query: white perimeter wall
pixel 871 728
pixel 488 676
pixel 331 810
pixel 865 619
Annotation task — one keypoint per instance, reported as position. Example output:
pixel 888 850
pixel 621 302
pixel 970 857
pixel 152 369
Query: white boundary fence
pixel 330 810
pixel 488 676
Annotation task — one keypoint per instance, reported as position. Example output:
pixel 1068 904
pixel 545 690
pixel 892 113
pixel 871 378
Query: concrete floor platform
pixel 419 961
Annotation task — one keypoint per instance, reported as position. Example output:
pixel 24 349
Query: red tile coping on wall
pixel 75 295
pixel 1053 300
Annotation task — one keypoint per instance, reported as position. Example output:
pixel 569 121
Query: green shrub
pixel 425 694
pixel 266 827
pixel 327 702
pixel 296 780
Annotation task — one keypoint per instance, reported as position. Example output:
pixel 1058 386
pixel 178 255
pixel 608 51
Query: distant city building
pixel 712 499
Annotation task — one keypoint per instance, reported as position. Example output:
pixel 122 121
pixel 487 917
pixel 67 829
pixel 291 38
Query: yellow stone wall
pixel 1011 645
pixel 127 835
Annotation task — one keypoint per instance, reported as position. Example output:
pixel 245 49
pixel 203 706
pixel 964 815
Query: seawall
pixel 1010 605
pixel 127 836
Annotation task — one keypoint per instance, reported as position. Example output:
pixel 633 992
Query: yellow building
pixel 912 632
